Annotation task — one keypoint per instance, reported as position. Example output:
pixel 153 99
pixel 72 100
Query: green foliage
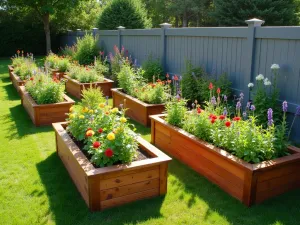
pixel 44 90
pixel 92 97
pixel 86 74
pixel 152 68
pixel 68 51
pixel 128 79
pixel 195 84
pixel 26 69
pixel 176 111
pixel 153 93
pixel 60 63
pixel 86 49
pixel 107 137
pixel 273 12
pixel 117 60
pixel 101 66
pixel 128 13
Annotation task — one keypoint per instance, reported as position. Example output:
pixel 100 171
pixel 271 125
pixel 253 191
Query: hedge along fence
pixel 241 52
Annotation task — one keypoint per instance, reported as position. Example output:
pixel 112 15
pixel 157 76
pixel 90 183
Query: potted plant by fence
pixel 84 77
pixel 109 164
pixel 143 99
pixel 21 69
pixel 57 64
pixel 44 99
pixel 248 161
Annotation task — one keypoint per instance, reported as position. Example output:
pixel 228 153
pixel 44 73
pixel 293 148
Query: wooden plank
pixel 129 179
pixel 163 178
pixel 127 172
pixel 128 189
pixel 129 198
pixel 278 172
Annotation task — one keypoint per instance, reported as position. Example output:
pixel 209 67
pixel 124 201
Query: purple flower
pixel 213 100
pixel 225 112
pixel 244 114
pixel 248 105
pixel 241 96
pixel 225 98
pixel 270 117
pixel 121 106
pixel 178 97
pixel 284 106
pixel 252 108
pixel 238 105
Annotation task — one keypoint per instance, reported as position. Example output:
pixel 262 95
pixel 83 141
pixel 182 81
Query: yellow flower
pixel 123 120
pixel 81 117
pixel 91 111
pixel 85 109
pixel 101 105
pixel 111 136
pixel 115 110
pixel 72 116
pixel 89 133
pixel 118 130
pixel 71 109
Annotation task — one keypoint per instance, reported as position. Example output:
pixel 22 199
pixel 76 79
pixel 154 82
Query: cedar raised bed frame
pixel 57 74
pixel 45 114
pixel 107 187
pixel 249 183
pixel 75 88
pixel 10 69
pixel 137 110
pixel 16 81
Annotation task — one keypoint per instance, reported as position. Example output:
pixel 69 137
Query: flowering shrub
pixel 176 111
pixel 106 136
pixel 45 90
pixel 117 60
pixel 60 63
pixel 152 68
pixel 132 82
pixel 100 65
pixel 26 69
pixel 68 51
pixel 86 74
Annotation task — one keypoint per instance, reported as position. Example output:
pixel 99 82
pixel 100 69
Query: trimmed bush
pixel 86 50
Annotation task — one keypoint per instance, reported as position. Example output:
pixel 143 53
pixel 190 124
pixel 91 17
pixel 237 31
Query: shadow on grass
pixel 274 211
pixel 20 124
pixel 68 206
pixel 11 93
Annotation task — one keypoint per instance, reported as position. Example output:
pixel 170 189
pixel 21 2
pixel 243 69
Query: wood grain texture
pixel 137 110
pixel 75 88
pixel 16 81
pixel 250 183
pixel 48 113
pixel 111 186
pixel 59 75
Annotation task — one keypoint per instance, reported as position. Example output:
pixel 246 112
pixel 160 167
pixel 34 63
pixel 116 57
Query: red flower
pixel 159 80
pixel 167 75
pixel 227 124
pixel 212 121
pixel 222 117
pixel 109 152
pixel 31 78
pixel 212 116
pixel 237 118
pixel 100 130
pixel 211 86
pixel 218 90
pixel 96 144
pixel 89 129
pixel 169 81
pixel 175 77
pixel 198 110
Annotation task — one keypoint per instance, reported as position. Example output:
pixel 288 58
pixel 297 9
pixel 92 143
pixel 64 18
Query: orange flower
pixel 89 133
pixel 218 90
pixel 211 86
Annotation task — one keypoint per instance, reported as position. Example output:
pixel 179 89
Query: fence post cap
pixel 120 28
pixel 95 28
pixel 78 29
pixel 254 22
pixel 165 25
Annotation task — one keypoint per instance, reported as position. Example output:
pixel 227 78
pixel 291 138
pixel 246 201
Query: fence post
pixel 69 39
pixel 120 28
pixel 163 54
pixel 250 54
pixel 95 30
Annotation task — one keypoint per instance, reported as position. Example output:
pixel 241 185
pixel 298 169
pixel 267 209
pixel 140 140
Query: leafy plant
pixel 26 69
pixel 60 63
pixel 106 136
pixel 86 49
pixel 92 97
pixel 101 66
pixel 45 90
pixel 117 60
pixel 68 51
pixel 176 111
pixel 152 68
pixel 128 79
pixel 86 74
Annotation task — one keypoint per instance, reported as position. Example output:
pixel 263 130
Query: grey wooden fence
pixel 241 52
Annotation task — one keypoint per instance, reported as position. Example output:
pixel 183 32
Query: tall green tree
pixel 273 12
pixel 128 13
pixel 42 10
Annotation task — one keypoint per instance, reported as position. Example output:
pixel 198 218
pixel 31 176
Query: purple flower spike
pixel 244 114
pixel 270 117
pixel 225 112
pixel 225 98
pixel 284 106
pixel 238 105
pixel 213 100
pixel 248 105
pixel 252 108
pixel 241 96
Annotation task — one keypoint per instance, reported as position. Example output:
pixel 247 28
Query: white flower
pixel 260 77
pixel 267 82
pixel 275 67
pixel 250 85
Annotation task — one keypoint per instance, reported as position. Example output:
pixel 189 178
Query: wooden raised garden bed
pixel 48 113
pixel 111 186
pixel 57 74
pixel 137 110
pixel 16 81
pixel 10 69
pixel 75 88
pixel 249 183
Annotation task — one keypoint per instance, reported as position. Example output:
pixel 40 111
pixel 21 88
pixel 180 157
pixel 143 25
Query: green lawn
pixel 35 188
